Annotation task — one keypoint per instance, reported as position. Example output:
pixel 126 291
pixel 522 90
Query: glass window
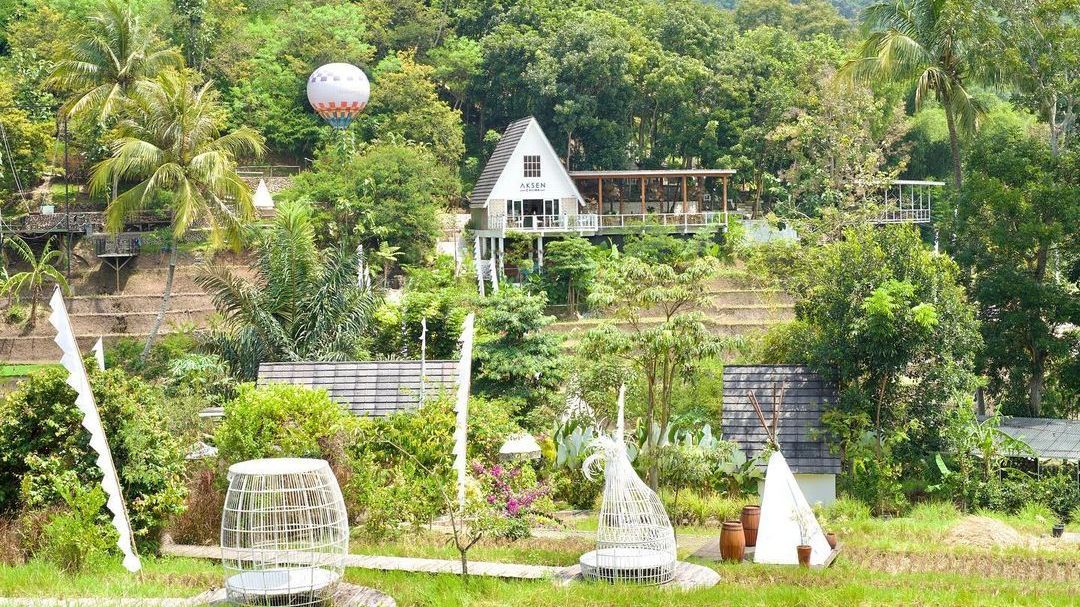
pixel 532 166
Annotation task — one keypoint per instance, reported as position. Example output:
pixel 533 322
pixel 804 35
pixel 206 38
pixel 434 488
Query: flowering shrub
pixel 511 500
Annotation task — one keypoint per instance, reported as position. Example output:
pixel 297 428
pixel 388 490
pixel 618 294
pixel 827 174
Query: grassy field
pixel 21 370
pixel 901 561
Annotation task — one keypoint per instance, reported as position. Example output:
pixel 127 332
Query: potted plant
pixel 802 519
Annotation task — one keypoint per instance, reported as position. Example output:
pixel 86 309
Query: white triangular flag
pixel 99 354
pixel 263 199
pixel 786 520
pixel 84 400
pixel 461 430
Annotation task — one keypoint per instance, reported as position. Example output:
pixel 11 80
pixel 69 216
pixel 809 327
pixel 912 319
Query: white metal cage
pixel 284 532
pixel 634 538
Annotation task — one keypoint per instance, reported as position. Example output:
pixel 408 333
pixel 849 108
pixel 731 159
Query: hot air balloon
pixel 338 92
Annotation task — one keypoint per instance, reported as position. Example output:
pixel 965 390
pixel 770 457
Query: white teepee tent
pixel 263 200
pixel 786 519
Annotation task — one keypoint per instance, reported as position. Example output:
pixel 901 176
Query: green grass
pixel 426 544
pixel 160 577
pixel 843 584
pixel 899 561
pixel 22 369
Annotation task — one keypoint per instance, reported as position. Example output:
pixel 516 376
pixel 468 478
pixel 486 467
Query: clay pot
pixel 750 517
pixel 732 542
pixel 1059 530
pixel 831 538
pixel 804 555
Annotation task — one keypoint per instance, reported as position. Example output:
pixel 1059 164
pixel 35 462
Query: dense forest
pixel 750 85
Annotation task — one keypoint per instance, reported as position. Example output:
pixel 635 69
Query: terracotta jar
pixel 750 517
pixel 732 541
pixel 831 538
pixel 804 555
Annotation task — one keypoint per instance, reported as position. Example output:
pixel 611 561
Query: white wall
pixel 553 184
pixel 817 488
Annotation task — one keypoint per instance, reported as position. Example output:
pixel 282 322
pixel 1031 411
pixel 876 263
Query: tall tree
pixel 1016 225
pixel 170 141
pixel 661 349
pixel 1041 48
pixel 105 62
pixel 936 45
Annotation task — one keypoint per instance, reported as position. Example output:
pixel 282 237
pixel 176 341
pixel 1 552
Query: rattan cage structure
pixel 634 538
pixel 284 533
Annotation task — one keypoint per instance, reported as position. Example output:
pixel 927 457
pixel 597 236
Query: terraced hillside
pixel 97 310
pixel 736 305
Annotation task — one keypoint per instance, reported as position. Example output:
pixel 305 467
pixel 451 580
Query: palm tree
pixel 305 305
pixel 932 43
pixel 385 257
pixel 106 62
pixel 170 141
pixel 43 268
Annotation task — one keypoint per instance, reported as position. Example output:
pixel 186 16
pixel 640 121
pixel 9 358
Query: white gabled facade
pixel 525 184
pixel 550 182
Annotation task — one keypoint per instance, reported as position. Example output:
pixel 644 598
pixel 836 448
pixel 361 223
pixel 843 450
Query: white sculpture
pixel 284 532
pixel 634 538
pixel 84 400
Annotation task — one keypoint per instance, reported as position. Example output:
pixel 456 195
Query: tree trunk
pixel 164 303
pixel 1036 385
pixel 464 564
pixel 34 294
pixel 954 146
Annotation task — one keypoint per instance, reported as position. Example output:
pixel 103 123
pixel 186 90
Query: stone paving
pixel 687 575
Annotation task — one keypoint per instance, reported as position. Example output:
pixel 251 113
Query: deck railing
pixel 591 222
pixel 908 201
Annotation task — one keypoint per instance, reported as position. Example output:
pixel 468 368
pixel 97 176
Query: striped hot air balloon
pixel 338 92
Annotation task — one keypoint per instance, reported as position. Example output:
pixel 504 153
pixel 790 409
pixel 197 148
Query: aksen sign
pixel 532 186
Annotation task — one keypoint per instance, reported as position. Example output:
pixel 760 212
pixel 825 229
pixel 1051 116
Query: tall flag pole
pixel 99 354
pixel 423 357
pixel 84 400
pixel 461 430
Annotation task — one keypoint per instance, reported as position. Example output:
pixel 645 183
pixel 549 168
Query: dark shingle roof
pixel 495 165
pixel 367 388
pixel 1048 438
pixel 806 396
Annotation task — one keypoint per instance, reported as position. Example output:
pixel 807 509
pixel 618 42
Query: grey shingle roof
pixel 495 165
pixel 369 388
pixel 806 396
pixel 1048 438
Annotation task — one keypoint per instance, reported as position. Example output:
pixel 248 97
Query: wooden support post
pixel 685 201
pixel 724 181
pixel 643 195
pixel 502 258
pixel 600 195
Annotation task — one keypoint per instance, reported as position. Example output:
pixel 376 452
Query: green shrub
pixel 41 437
pixel 401 462
pixel 126 353
pixel 78 536
pixel 844 510
pixel 16 314
pixel 278 420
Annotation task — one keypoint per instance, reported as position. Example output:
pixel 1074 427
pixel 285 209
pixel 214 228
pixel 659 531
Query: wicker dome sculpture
pixel 634 538
pixel 284 532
